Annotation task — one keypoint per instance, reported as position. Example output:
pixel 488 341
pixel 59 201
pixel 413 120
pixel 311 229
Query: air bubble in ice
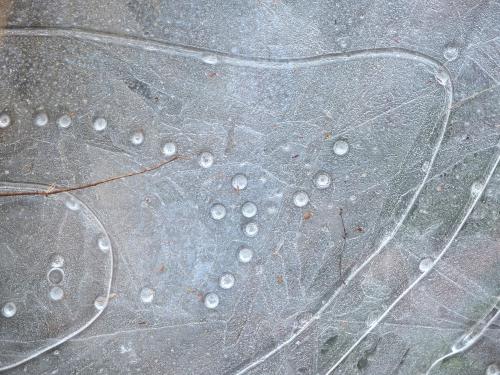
pixel 340 147
pixel 169 149
pixel 211 300
pixel 300 199
pixel 206 160
pixel 137 138
pixel 493 369
pixel 450 53
pixel 100 124
pixel 103 243
pixel 41 119
pixel 218 211
pixel 251 229
pixel 249 209
pixel 56 293
pixel 322 180
pixel 239 181
pixel 64 121
pixel 245 255
pixel 476 188
pixel 73 204
pixel 226 281
pixel 425 264
pixel 56 261
pixel 9 310
pixel 55 275
pixel 4 120
pixel 100 302
pixel 147 295
pixel 210 59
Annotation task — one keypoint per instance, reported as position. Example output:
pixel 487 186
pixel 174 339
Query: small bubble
pixel 322 180
pixel 442 77
pixel 100 302
pixel 169 149
pixel 4 120
pixel 137 138
pixel 425 166
pixel 450 53
pixel 218 211
pixel 493 369
pixel 340 147
pixel 300 199
pixel 147 295
pixel 56 261
pixel 9 310
pixel 64 121
pixel 251 229
pixel 55 275
pixel 100 124
pixel 245 255
pixel 103 243
pixel 73 204
pixel 249 210
pixel 425 264
pixel 476 188
pixel 210 59
pixel 56 293
pixel 211 300
pixel 226 281
pixel 206 160
pixel 41 119
pixel 239 182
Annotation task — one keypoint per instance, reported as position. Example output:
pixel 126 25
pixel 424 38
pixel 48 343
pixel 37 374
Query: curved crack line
pixel 270 63
pixel 58 341
pixel 172 49
pixel 475 196
pixel 54 189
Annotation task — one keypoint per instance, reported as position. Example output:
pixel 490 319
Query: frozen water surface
pixel 268 187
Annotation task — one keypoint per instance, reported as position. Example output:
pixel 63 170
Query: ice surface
pixel 366 135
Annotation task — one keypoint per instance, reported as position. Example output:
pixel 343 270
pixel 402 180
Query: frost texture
pixel 267 88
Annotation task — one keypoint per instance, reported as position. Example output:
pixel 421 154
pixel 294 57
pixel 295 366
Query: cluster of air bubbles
pixel 9 309
pixel 137 138
pixel 55 276
pixel 147 295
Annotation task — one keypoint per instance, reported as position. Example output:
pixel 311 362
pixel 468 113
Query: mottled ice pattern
pixel 259 187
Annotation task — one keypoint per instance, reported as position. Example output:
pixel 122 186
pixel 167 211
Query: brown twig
pixel 54 189
pixel 344 240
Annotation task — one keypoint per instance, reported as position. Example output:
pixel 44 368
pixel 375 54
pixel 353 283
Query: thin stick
pixel 53 189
